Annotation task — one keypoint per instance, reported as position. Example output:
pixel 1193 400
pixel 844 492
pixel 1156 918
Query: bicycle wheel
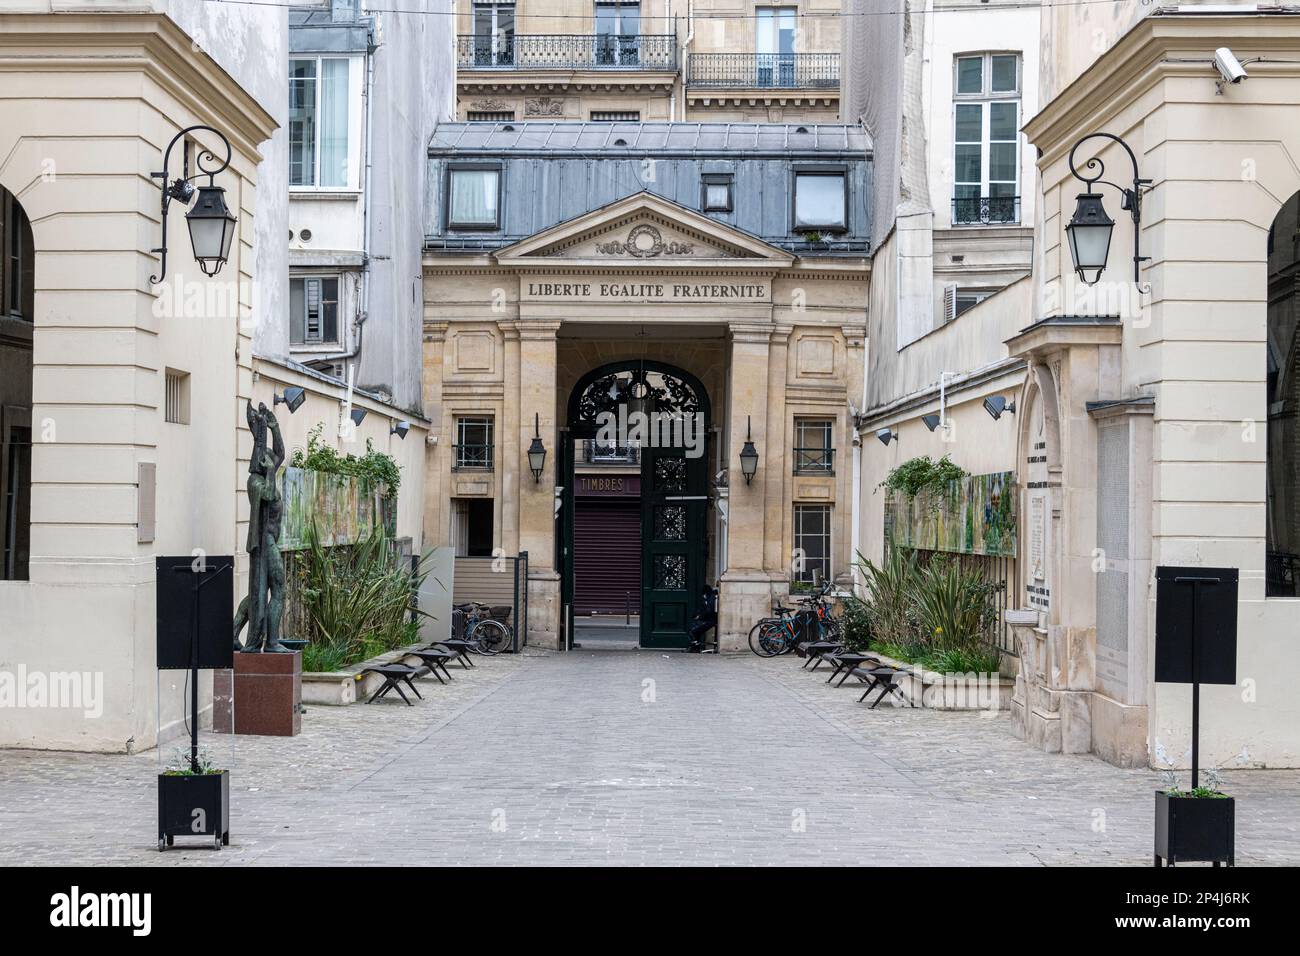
pixel 493 636
pixel 760 641
pixel 831 630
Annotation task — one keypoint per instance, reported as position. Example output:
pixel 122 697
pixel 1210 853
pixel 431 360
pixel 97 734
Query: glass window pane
pixel 334 123
pixel 1002 121
pixel 297 311
pixel 302 122
pixel 969 123
pixel 968 167
pixel 1004 190
pixel 330 310
pixel 474 197
pixel 966 191
pixel 819 200
pixel 1003 73
pixel 970 74
pixel 1002 161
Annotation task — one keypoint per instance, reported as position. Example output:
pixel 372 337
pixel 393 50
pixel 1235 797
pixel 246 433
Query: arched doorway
pixel 653 419
pixel 17 272
pixel 1282 511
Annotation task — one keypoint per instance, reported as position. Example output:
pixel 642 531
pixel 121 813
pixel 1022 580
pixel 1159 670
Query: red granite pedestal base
pixel 267 689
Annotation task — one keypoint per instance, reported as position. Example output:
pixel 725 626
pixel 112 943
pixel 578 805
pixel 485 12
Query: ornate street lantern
pixel 748 455
pixel 537 451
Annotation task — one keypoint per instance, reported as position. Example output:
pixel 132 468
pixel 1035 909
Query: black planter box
pixel 1195 828
pixel 196 805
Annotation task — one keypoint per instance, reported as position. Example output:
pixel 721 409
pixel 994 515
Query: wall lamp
pixel 748 455
pixel 400 429
pixel 995 405
pixel 886 435
pixel 358 415
pixel 212 227
pixel 537 451
pixel 1090 228
pixel 292 398
pixel 931 421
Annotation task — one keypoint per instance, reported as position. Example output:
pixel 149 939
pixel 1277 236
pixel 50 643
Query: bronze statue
pixel 262 608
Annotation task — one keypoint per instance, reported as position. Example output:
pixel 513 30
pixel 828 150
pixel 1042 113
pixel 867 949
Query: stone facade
pixel 769 334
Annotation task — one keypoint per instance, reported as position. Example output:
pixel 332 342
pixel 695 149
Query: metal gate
pixel 498 582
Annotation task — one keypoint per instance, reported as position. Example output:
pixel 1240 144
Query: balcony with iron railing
pixel 568 51
pixel 790 71
pixel 986 211
pixel 814 461
pixel 477 457
pixel 604 453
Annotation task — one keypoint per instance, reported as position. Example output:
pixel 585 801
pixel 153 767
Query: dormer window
pixel 474 197
pixel 820 199
pixel 716 189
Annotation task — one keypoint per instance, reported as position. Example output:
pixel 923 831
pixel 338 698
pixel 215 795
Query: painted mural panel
pixel 975 515
pixel 344 507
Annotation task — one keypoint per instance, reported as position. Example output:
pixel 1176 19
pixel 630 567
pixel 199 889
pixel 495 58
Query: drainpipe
pixel 681 63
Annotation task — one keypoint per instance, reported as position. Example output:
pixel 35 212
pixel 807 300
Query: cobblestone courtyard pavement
pixel 630 757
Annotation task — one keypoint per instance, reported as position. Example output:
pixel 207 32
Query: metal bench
pixel 435 659
pixel 394 676
pixel 878 675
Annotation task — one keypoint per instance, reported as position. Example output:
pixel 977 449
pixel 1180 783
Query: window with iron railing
pixel 814 453
pixel 473 448
pixel 608 453
pixel 567 51
pixel 986 139
pixel 794 71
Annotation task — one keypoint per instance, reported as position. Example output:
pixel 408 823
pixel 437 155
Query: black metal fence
pixel 793 71
pixel 986 210
pixel 567 51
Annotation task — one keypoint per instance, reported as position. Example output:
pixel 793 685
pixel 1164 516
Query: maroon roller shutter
pixel 606 555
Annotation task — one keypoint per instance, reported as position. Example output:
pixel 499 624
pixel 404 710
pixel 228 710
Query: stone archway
pixel 664 412
pixel 17 324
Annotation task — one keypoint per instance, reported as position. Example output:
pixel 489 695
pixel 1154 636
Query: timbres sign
pixel 641 291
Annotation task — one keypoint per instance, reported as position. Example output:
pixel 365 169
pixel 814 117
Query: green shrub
pixel 855 623
pixel 954 604
pixel 374 466
pixel 358 600
pixel 889 596
pixel 923 473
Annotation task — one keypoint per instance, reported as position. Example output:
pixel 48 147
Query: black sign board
pixel 1196 625
pixel 191 588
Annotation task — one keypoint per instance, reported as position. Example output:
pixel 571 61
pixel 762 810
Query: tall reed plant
pixel 358 600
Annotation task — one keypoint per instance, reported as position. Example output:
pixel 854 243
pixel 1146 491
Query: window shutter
pixel 949 302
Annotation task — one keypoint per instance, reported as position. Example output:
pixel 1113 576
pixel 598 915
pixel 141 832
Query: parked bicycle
pixel 489 633
pixel 812 621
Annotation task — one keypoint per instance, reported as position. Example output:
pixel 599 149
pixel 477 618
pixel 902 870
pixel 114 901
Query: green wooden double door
pixel 674 545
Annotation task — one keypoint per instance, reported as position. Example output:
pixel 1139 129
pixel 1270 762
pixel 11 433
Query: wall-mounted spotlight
pixel 995 405
pixel 537 451
pixel 293 397
pixel 748 455
pixel 931 421
pixel 886 435
pixel 400 429
pixel 358 415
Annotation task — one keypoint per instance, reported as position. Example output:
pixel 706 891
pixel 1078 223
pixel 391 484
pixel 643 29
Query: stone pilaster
pixel 537 390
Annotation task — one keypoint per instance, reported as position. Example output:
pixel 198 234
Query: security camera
pixel 1229 66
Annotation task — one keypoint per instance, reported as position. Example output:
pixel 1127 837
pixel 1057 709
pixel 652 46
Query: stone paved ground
pixel 631 757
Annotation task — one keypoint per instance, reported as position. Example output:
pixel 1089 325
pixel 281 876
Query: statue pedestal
pixel 267 689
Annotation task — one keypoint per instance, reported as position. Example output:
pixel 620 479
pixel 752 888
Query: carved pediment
pixel 643 230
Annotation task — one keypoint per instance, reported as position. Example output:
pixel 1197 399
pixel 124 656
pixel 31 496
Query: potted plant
pixel 193 800
pixel 1196 824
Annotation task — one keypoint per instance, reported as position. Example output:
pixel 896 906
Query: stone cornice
pixel 1145 55
pixel 137 42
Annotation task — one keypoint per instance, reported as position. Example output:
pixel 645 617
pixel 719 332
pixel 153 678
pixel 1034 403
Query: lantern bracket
pixel 1130 198
pixel 182 188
